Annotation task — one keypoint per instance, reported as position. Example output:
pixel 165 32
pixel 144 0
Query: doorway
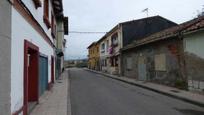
pixel 142 70
pixel 31 57
pixel 52 69
pixel 43 74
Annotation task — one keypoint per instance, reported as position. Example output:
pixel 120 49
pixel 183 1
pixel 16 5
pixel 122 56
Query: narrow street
pixel 94 94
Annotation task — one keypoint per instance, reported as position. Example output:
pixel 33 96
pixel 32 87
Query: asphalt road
pixel 94 94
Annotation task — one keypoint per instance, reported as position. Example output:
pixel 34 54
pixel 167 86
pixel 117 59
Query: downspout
pixel 182 61
pixel 120 51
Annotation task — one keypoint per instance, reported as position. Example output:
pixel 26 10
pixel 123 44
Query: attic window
pixel 37 3
pixel 46 14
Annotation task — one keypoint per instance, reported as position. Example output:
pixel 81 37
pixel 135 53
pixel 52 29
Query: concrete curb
pixel 150 88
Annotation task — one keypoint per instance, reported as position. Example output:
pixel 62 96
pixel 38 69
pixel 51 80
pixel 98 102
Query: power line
pixel 81 32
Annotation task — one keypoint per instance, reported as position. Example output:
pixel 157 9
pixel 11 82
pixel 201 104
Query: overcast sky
pixel 103 15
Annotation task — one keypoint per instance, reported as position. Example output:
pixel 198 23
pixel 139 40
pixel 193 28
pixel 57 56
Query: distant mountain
pixel 78 57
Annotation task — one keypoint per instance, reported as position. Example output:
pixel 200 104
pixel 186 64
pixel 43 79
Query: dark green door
pixel 43 74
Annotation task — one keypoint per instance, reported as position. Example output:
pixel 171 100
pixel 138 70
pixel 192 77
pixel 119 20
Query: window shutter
pixel 46 14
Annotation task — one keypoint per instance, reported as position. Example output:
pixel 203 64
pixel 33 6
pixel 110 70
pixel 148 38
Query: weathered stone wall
pixel 168 50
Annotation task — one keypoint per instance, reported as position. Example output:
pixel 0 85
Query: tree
pixel 201 13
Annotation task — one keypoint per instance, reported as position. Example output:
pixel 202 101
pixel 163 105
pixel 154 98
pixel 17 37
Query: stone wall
pixel 157 62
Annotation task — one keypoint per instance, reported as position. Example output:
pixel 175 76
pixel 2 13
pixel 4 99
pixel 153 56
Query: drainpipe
pixel 182 61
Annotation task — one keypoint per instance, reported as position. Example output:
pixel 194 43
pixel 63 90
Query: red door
pixel 31 57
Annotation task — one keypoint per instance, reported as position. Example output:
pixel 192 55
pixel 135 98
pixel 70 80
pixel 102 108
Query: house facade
pixel 156 62
pixel 93 58
pixel 61 30
pixel 110 46
pixel 193 39
pixel 122 35
pixel 28 40
pixel 167 57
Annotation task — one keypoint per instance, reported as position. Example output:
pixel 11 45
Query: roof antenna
pixel 146 10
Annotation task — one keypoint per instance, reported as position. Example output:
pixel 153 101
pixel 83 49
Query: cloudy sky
pixel 103 15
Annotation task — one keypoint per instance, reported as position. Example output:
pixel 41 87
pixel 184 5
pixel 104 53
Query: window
pixel 129 63
pixel 160 62
pixel 114 61
pixel 37 3
pixel 102 47
pixel 46 13
pixel 114 39
pixel 105 62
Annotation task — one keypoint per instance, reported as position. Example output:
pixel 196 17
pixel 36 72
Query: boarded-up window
pixel 160 62
pixel 129 63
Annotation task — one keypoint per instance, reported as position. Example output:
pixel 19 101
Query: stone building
pixel 167 57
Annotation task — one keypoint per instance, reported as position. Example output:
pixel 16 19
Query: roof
pixel 170 32
pixel 147 18
pixel 130 22
pixel 108 33
pixel 197 26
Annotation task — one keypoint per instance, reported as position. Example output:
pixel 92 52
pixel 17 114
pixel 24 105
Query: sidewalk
pixel 187 96
pixel 56 101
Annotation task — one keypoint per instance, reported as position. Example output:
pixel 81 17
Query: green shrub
pixel 181 84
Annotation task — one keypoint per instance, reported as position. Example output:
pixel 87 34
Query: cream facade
pixel 194 58
pixel 110 46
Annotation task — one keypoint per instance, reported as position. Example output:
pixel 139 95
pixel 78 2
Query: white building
pixel 28 32
pixel 110 46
